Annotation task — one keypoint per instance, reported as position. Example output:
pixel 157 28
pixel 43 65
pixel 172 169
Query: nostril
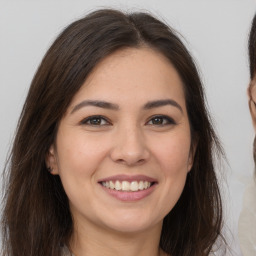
pixel 130 161
pixel 120 161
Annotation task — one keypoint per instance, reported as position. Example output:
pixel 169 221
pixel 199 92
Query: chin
pixel 133 223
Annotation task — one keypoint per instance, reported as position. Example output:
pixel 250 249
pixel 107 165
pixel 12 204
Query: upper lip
pixel 130 178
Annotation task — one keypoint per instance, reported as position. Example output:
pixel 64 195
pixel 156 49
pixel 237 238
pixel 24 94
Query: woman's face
pixel 123 147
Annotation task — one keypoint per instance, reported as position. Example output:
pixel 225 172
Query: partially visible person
pixel 247 220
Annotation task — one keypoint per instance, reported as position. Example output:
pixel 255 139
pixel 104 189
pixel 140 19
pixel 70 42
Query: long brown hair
pixel 36 217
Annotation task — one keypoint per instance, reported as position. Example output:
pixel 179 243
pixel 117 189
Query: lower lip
pixel 129 196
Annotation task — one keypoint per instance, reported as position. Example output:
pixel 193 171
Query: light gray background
pixel 215 31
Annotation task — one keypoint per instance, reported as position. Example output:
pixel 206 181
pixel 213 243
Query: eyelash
pixel 165 120
pixel 89 119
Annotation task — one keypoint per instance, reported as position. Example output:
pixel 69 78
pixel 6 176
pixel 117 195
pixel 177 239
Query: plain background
pixel 215 32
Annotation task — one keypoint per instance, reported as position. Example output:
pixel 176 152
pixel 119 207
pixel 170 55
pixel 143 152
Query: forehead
pixel 132 72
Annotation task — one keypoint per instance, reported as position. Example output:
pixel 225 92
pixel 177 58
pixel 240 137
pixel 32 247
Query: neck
pixel 95 241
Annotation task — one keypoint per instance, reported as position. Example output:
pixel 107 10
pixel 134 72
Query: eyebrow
pixel 112 106
pixel 161 103
pixel 95 103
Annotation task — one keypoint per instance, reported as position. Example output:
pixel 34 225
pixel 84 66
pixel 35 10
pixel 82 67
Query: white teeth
pixel 118 185
pixel 146 184
pixel 134 186
pixel 126 185
pixel 111 185
pixel 141 185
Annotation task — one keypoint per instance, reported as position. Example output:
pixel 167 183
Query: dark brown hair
pixel 36 217
pixel 252 48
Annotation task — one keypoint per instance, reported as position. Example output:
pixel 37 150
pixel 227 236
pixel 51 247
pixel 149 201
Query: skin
pixel 252 101
pixel 252 106
pixel 128 141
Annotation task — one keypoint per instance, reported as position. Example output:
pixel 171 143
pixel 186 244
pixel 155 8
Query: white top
pixel 247 221
pixel 66 252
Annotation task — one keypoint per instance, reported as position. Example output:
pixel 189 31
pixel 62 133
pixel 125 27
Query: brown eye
pixel 157 120
pixel 95 121
pixel 161 120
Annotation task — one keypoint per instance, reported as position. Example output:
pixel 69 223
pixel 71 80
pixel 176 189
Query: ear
pixel 51 160
pixel 192 152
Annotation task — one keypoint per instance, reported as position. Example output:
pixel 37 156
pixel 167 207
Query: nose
pixel 130 147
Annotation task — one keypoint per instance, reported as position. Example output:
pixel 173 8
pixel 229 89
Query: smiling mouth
pixel 127 186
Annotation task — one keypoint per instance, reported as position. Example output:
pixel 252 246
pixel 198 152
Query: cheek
pixel 253 113
pixel 78 154
pixel 78 158
pixel 173 155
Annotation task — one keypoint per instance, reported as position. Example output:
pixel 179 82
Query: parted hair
pixel 36 216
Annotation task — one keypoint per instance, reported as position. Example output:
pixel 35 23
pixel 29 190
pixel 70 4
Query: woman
pixel 114 150
pixel 247 219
